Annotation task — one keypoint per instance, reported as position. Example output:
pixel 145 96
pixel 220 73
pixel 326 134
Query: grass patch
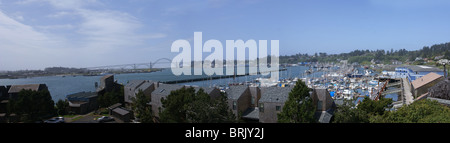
pixel 69 116
pixel 77 118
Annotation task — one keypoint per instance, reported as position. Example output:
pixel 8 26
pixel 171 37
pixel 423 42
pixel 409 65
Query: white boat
pixel 373 82
pixel 347 92
pixel 266 82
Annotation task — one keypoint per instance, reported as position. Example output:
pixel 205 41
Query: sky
pixel 35 34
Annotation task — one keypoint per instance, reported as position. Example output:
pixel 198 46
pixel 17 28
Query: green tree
pixel 347 113
pixel 32 105
pixel 206 110
pixel 299 107
pixel 377 107
pixel 366 111
pixel 111 98
pixel 141 108
pixel 61 107
pixel 187 106
pixel 423 111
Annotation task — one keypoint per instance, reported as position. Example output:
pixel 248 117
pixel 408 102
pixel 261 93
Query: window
pixel 278 108
pixel 261 107
pixel 319 105
pixel 234 105
pixel 253 100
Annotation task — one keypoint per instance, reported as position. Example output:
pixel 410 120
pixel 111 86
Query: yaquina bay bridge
pixel 160 63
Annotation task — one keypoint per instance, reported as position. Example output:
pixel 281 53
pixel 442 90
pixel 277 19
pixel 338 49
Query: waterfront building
pixel 422 84
pixel 214 93
pixel 160 93
pixel 239 99
pixel 325 105
pixel 412 72
pixel 82 102
pixel 106 83
pixel 15 89
pixel 122 114
pixel 133 88
pixel 272 102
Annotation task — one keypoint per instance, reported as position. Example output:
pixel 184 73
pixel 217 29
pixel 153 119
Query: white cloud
pixel 23 47
pixel 92 38
pixel 56 27
pixel 60 14
pixel 62 4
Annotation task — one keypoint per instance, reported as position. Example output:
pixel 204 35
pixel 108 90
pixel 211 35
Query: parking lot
pixel 88 118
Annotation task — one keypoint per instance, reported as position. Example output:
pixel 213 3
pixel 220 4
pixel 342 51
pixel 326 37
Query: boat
pixel 373 82
pixel 266 82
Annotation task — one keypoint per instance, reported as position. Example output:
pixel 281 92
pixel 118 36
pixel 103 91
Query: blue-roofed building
pixel 412 72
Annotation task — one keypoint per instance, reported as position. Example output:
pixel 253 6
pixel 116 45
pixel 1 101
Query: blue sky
pixel 35 34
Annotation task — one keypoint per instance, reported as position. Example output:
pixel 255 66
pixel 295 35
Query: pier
pixel 210 78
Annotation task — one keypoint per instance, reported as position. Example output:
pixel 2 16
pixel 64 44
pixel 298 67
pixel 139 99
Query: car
pixel 55 120
pixel 105 119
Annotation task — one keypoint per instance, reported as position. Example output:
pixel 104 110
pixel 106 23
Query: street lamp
pixel 444 62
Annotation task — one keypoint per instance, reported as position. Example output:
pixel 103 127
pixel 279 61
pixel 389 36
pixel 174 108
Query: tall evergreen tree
pixel 32 105
pixel 299 107
pixel 141 108
pixel 187 106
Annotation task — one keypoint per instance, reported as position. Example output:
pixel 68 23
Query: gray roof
pixel 251 113
pixel 18 88
pixel 207 90
pixel 81 96
pixel 440 90
pixel 275 94
pixel 323 117
pixel 107 76
pixel 134 83
pixel 420 68
pixel 322 93
pixel 115 106
pixel 234 92
pixel 144 86
pixel 121 111
pixel 165 89
pixel 415 68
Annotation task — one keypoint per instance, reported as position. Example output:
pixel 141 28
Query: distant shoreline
pixel 21 76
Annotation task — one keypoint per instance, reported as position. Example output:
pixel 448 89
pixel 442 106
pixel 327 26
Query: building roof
pixel 76 103
pixel 323 117
pixel 115 106
pixel 275 94
pixel 415 68
pixel 145 85
pixel 235 92
pixel 134 84
pixel 440 90
pixel 81 96
pixel 165 89
pixel 121 111
pixel 322 93
pixel 18 88
pixel 251 113
pixel 207 90
pixel 107 76
pixel 421 68
pixel 425 80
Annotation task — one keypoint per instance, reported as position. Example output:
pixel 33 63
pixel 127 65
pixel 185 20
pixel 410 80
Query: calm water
pixel 59 86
